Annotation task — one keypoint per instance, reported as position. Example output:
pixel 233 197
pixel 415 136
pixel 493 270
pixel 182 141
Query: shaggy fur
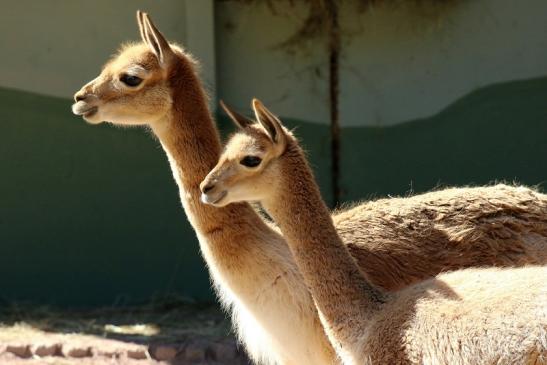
pixel 474 316
pixel 410 239
pixel 251 266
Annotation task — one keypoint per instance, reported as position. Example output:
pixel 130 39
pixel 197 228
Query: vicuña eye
pixel 130 80
pixel 250 161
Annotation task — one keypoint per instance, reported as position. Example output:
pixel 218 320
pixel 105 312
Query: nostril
pixel 207 188
pixel 79 97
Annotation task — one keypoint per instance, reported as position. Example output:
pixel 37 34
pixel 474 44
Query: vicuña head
pixel 134 87
pixel 250 161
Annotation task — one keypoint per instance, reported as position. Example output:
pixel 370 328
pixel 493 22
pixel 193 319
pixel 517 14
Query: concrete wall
pixel 51 47
pixel 399 62
pixel 91 215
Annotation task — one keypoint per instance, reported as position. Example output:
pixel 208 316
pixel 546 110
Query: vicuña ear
pixel 271 123
pixel 140 22
pixel 240 120
pixel 153 37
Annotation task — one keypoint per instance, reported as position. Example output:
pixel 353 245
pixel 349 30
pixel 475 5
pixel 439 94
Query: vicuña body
pixel 473 316
pixel 155 84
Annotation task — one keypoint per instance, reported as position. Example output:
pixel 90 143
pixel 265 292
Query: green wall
pixel 495 133
pixel 90 215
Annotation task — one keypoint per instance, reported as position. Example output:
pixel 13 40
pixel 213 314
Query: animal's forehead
pixel 250 142
pixel 133 54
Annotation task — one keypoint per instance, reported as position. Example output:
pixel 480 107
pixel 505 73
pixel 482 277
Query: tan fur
pixel 251 266
pixel 410 239
pixel 473 316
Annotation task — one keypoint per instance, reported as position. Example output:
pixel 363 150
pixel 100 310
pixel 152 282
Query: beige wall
pixel 53 46
pixel 398 63
pixel 249 64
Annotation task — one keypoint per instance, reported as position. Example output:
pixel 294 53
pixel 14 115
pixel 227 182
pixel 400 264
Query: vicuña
pixel 154 83
pixel 472 316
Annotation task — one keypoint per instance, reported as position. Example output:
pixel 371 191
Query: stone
pixel 164 352
pixel 19 350
pixel 46 350
pixel 78 352
pixel 137 354
pixel 194 352
pixel 223 351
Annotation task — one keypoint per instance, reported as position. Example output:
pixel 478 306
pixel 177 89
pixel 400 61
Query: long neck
pixel 343 296
pixel 244 255
pixel 191 141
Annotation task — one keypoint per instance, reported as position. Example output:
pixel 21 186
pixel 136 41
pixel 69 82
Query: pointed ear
pixel 140 22
pixel 240 120
pixel 271 123
pixel 155 40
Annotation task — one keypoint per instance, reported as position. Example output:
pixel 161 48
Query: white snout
pixel 83 108
pixel 213 199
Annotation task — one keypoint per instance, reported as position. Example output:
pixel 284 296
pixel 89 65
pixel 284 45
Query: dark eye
pixel 130 80
pixel 250 161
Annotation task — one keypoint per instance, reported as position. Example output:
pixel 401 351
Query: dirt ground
pixel 160 333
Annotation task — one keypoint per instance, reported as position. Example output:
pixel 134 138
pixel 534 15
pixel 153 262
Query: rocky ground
pixel 167 333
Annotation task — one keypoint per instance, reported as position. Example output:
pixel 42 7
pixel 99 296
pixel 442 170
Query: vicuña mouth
pixel 81 108
pixel 90 112
pixel 208 200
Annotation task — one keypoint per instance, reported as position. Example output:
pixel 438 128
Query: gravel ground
pixel 160 333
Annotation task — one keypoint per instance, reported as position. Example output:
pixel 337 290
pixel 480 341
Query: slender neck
pixel 192 144
pixel 341 293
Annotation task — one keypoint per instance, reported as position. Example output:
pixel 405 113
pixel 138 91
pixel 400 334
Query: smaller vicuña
pixel 472 316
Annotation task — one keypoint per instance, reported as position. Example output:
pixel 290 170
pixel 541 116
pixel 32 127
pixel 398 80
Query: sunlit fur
pixel 473 316
pixel 247 182
pixel 251 266
pixel 120 104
